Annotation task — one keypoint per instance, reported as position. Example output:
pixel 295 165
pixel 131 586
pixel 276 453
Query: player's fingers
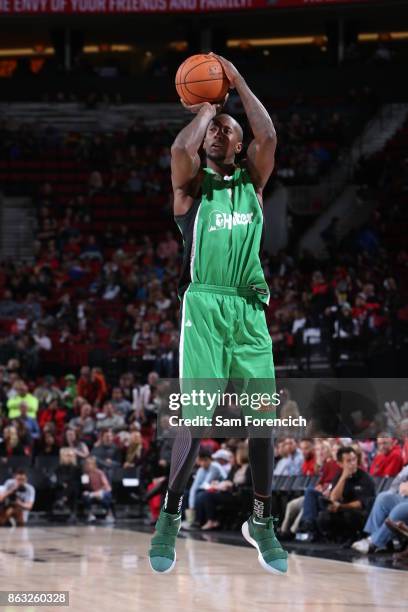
pixel 218 57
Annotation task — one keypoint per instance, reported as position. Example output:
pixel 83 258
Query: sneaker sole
pixel 167 571
pixel 268 568
pixel 361 551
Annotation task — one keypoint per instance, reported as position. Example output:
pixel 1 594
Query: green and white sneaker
pixel 260 533
pixel 162 554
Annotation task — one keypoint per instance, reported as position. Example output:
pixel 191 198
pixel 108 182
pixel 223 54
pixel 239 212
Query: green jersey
pixel 222 235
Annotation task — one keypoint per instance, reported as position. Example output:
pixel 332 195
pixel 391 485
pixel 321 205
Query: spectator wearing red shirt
pixel 53 413
pixel 388 460
pixel 327 468
pixel 100 386
pixel 309 457
pixel 92 386
pixel 85 387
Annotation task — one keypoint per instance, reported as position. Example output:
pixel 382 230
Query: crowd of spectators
pixel 86 428
pixel 107 288
pixel 340 480
pixel 115 291
pixel 82 424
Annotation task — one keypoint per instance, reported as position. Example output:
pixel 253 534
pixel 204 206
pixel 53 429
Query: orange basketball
pixel 201 78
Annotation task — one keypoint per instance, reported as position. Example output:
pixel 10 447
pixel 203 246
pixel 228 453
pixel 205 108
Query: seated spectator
pixel 79 448
pixel 91 250
pixel 85 387
pixel 100 386
pixel 84 423
pixel 68 482
pixel 388 460
pixel 11 445
pixel 290 463
pixel 42 341
pixel 31 425
pixel 301 513
pixel 134 450
pixel 17 498
pixel 208 471
pixel 98 490
pixel 218 471
pixel 309 457
pixel 21 395
pixel 53 413
pixel 23 436
pixel 222 461
pixel 121 405
pixel 110 419
pixel 70 392
pixel 148 397
pixel 224 493
pixel 391 504
pixel 350 498
pixel 48 445
pixel 47 390
pixel 106 452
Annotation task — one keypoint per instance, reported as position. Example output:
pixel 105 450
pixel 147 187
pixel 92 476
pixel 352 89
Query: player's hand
pixel 212 109
pixel 231 72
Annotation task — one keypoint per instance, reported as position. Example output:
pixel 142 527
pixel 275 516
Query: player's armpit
pixel 261 160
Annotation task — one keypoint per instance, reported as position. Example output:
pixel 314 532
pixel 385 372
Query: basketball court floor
pixel 106 569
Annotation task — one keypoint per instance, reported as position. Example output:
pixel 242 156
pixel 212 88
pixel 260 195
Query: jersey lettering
pixel 221 220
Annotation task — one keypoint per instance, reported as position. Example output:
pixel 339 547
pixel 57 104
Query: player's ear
pixel 238 147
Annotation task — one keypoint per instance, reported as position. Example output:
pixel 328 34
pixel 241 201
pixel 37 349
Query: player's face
pixel 222 140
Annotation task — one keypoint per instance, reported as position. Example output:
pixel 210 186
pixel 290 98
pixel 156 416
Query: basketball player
pixel 218 209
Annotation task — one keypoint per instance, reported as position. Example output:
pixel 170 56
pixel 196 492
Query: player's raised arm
pixel 261 151
pixel 185 160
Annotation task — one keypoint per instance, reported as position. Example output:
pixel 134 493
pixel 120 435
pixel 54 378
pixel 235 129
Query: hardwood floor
pixel 106 570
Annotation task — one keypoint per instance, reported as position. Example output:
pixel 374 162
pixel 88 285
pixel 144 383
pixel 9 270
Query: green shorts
pixel 224 337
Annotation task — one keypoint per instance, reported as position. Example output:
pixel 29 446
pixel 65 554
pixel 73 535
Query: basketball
pixel 201 78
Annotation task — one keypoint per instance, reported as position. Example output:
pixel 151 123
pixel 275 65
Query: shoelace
pixel 271 522
pixel 270 531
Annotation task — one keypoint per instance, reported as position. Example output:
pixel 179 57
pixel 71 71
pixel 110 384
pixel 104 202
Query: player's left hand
pixel 195 108
pixel 231 72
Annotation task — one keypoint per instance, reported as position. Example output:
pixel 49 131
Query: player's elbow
pixel 266 142
pixel 176 148
pixel 269 137
pixel 179 150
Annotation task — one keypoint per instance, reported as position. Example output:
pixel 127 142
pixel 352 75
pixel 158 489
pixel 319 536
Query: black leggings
pixel 185 450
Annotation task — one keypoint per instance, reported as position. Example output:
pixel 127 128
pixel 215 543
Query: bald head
pixel 223 117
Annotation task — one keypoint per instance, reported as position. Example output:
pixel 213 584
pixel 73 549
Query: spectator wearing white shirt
pixel 42 341
pixel 291 462
pixel 17 498
pixel 211 468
